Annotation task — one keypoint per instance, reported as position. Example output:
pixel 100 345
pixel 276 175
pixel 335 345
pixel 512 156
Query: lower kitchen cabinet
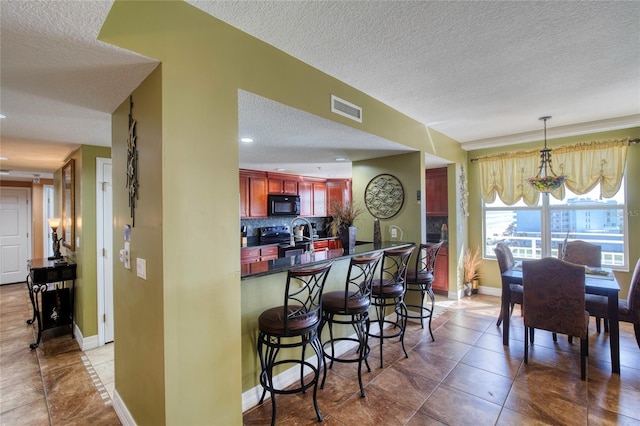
pixel 251 258
pixel 441 271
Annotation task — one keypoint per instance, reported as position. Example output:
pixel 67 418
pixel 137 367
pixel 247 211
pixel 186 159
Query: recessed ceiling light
pixel 341 159
pixel 280 169
pixel 247 140
pixel 3 158
pixel 3 116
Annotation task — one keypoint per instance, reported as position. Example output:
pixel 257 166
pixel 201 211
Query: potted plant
pixel 343 217
pixel 470 262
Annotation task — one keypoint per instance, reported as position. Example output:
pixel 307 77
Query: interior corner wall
pixel 138 303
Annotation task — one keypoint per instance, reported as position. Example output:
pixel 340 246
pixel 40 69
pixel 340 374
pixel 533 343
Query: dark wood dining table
pixel 605 285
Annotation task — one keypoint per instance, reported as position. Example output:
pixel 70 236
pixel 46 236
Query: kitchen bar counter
pixel 284 264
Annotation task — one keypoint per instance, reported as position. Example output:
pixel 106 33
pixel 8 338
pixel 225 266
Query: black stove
pixel 275 235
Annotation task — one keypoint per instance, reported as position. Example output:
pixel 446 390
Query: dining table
pixel 600 281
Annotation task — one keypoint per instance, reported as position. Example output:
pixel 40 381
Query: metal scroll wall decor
pixel 384 196
pixel 132 164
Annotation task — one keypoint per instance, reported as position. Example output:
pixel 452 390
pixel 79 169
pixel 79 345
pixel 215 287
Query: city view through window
pixel 534 232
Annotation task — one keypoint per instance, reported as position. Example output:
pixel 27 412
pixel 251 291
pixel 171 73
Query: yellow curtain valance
pixel 585 164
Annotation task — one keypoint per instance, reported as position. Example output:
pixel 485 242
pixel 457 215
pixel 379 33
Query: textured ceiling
pixel 479 72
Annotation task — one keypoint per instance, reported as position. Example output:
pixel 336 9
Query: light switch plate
pixel 141 268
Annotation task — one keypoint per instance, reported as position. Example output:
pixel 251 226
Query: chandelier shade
pixel 546 180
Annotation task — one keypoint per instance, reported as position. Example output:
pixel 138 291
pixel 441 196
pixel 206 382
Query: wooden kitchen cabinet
pixel 436 192
pixel 338 191
pixel 251 259
pixel 313 197
pixel 280 183
pixel 441 270
pixel 253 194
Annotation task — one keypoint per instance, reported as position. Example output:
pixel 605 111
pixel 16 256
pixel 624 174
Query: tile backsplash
pixel 254 225
pixel 434 226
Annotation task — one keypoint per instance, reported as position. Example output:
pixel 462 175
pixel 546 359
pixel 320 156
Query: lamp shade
pixel 54 222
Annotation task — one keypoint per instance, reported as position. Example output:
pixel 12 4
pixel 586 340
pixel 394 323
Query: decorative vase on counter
pixel 377 236
pixel 347 237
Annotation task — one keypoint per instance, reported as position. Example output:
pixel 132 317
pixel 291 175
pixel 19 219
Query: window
pixel 534 232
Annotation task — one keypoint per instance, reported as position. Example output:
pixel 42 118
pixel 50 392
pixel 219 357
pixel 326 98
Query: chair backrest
pixel 554 296
pixel 303 296
pixel 426 258
pixel 359 277
pixel 581 253
pixel 504 256
pixel 634 292
pixel 394 267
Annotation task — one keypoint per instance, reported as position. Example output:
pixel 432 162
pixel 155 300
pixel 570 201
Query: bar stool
pixel 351 307
pixel 299 317
pixel 419 280
pixel 389 291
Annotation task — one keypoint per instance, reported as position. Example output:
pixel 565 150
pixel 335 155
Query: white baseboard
pixel 85 343
pixel 121 410
pixel 490 291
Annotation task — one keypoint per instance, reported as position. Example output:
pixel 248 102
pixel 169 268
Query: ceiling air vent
pixel 346 109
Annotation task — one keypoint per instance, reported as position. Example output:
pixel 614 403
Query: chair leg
pixel 433 305
pixel 317 347
pixel 606 325
pixel 584 348
pixel 526 344
pixel 598 325
pixel 499 318
pixel 636 328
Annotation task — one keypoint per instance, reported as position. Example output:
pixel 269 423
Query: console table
pixel 51 298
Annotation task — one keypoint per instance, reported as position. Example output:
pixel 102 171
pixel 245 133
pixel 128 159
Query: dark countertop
pixel 284 264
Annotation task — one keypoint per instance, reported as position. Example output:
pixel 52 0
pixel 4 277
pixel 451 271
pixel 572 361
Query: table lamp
pixel 54 223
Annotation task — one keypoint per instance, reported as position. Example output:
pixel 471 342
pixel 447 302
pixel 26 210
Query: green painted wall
pixel 489 272
pixel 204 63
pixel 85 255
pixel 138 303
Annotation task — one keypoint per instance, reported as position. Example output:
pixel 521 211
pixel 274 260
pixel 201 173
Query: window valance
pixel 585 164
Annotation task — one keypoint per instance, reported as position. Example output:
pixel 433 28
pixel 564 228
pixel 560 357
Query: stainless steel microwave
pixel 283 205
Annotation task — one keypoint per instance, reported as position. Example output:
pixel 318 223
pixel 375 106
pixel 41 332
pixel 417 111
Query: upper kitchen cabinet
pixel 282 184
pixel 436 189
pixel 313 197
pixel 338 191
pixel 253 194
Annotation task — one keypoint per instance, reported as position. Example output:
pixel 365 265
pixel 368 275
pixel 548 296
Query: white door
pixel 104 216
pixel 14 234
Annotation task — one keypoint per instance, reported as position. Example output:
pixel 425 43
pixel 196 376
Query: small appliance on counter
pixel 243 236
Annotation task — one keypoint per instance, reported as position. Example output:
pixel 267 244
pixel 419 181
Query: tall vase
pixel 377 236
pixel 347 236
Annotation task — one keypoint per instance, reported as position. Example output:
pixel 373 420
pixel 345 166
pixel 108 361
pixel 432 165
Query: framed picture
pixel 68 205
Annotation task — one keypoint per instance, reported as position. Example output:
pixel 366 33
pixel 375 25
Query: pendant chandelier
pixel 546 180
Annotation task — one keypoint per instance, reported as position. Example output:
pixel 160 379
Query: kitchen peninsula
pixel 265 289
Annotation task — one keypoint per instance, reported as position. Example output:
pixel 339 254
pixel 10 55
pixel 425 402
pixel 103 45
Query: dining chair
pixel 504 255
pixel 293 325
pixel 554 300
pixel 350 307
pixel 629 310
pixel 388 291
pixel 587 254
pixel 419 281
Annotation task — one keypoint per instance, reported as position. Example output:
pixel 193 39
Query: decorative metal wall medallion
pixel 132 164
pixel 384 196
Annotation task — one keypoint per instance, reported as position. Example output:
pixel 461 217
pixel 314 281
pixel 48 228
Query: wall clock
pixel 384 196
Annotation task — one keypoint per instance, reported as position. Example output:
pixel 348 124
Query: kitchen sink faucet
pixel 292 242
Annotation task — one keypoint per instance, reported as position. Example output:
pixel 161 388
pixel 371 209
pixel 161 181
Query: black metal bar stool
pixel 388 291
pixel 419 280
pixel 293 325
pixel 350 307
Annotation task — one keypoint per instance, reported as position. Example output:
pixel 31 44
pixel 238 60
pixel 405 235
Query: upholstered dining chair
pixel 350 307
pixel 419 281
pixel 293 325
pixel 505 262
pixel 587 254
pixel 629 310
pixel 388 291
pixel 553 300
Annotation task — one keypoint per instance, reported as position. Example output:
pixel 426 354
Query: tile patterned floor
pixel 465 377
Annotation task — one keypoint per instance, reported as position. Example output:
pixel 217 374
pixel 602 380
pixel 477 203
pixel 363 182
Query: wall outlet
pixel 141 268
pixel 394 233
